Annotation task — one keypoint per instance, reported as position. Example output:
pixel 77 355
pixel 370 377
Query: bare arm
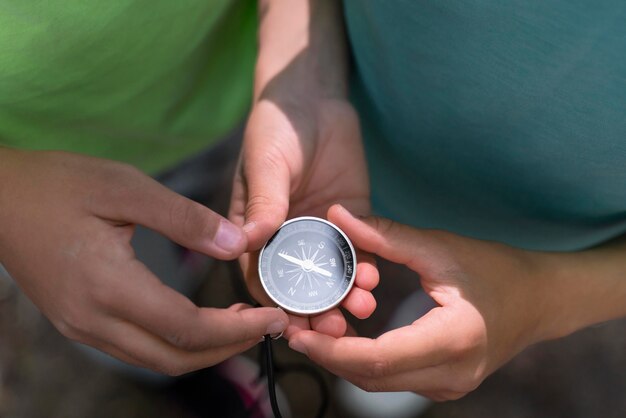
pixel 494 301
pixel 302 149
pixel 584 287
pixel 304 41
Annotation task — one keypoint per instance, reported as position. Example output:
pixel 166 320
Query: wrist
pixel 302 51
pixel 582 289
pixel 307 78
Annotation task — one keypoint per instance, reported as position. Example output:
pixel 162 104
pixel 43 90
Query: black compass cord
pixel 273 370
pixel 269 369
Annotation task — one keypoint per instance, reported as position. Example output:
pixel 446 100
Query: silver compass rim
pixel 309 312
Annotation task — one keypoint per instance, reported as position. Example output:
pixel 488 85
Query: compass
pixel 308 266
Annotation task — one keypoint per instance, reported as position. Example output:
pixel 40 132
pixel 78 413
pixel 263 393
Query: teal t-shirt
pixel 501 120
pixel 147 82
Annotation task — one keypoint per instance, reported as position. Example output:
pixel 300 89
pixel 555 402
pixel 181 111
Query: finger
pixel 239 307
pixel 267 178
pixel 249 265
pixel 421 345
pixel 390 240
pixel 428 379
pixel 142 200
pixel 238 198
pixel 351 332
pixel 331 323
pixel 129 341
pixel 112 351
pixel 297 324
pixel 437 383
pixel 145 301
pixel 367 275
pixel 360 303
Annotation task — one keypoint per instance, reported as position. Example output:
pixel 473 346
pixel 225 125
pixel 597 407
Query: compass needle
pixel 292 259
pixel 322 271
pixel 308 266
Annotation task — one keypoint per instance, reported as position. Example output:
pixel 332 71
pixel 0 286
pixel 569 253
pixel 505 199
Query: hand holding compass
pixel 286 172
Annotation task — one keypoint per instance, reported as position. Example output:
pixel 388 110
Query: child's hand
pixel 66 222
pixel 492 305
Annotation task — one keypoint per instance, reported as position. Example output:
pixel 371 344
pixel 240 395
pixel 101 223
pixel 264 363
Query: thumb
pixel 239 323
pixel 393 241
pixel 266 183
pixel 142 200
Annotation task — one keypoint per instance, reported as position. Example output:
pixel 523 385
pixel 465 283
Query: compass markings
pixel 314 255
pixel 300 265
pixel 299 278
pixel 316 281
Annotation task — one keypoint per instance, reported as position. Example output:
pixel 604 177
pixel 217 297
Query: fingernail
pixel 276 327
pixel 228 237
pixel 296 345
pixel 249 226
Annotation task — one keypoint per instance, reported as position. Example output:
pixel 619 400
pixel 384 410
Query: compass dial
pixel 308 266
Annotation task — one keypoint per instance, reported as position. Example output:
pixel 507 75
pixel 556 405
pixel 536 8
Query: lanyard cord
pixel 271 369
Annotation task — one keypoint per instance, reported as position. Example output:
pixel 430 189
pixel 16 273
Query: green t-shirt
pixel 502 120
pixel 147 82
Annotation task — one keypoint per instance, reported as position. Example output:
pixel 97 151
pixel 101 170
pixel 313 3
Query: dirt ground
pixel 44 375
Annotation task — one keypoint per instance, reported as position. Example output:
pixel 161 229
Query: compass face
pixel 308 266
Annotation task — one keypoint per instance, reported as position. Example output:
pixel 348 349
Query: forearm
pixel 9 170
pixel 587 287
pixel 302 42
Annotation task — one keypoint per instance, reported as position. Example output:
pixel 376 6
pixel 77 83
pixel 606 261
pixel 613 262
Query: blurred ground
pixel 44 375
